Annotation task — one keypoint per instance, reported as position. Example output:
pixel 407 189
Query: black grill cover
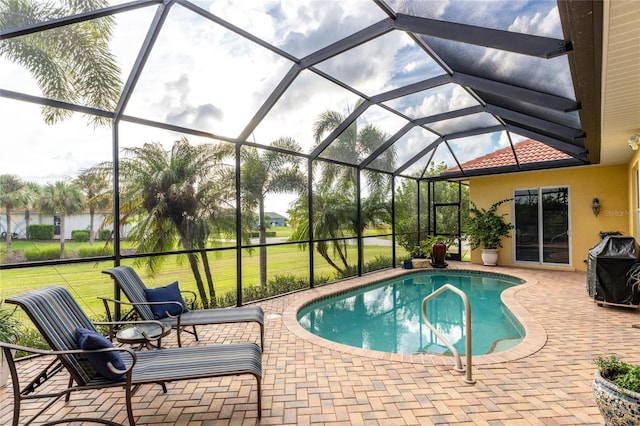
pixel 607 267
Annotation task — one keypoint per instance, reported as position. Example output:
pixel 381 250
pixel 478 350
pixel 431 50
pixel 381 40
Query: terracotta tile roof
pixel 528 151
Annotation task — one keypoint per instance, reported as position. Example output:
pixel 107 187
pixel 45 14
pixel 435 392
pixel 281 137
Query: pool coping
pixel 535 337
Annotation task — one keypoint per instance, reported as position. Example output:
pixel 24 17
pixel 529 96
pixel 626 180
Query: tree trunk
pixel 193 261
pixel 27 219
pixel 342 253
pixel 92 233
pixel 322 249
pixel 209 276
pixel 8 215
pixel 263 249
pixel 62 237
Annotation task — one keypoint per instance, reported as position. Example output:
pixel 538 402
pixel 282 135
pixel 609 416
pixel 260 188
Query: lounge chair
pixel 132 286
pixel 59 318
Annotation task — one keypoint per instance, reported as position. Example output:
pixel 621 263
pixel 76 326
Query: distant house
pixel 73 222
pixel 275 219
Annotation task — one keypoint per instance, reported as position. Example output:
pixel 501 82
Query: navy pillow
pixel 88 340
pixel 169 293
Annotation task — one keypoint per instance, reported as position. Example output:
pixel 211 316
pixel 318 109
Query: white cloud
pixel 541 24
pixel 203 76
pixel 298 26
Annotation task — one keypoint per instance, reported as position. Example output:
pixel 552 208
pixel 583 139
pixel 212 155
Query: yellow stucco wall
pixel 632 202
pixel 611 185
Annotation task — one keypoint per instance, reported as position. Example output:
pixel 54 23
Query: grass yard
pixel 86 280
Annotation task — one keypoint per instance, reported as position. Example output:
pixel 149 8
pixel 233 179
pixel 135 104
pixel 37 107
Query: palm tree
pixel 166 191
pixel 72 63
pixel 13 193
pixel 352 144
pixel 271 172
pixel 333 219
pixel 62 199
pixel 335 196
pixel 33 195
pixel 97 189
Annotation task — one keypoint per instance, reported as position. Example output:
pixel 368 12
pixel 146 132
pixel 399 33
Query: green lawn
pixel 86 281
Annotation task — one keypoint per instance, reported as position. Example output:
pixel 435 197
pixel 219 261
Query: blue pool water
pixel 387 316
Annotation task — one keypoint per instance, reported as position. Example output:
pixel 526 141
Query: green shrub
pixel 40 232
pixel 348 272
pixel 104 234
pixel 10 328
pixel 268 234
pixel 31 338
pixel 322 279
pixel 380 262
pixel 93 251
pixel 612 366
pixel 622 374
pixel 277 285
pixel 44 253
pixel 281 284
pixel 80 235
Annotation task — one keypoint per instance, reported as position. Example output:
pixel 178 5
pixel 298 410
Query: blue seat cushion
pixel 169 293
pixel 90 340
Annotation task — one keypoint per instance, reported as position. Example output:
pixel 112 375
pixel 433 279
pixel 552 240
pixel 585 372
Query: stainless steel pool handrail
pixel 467 312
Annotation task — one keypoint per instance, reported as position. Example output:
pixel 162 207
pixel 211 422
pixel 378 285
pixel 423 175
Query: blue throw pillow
pixel 169 293
pixel 89 340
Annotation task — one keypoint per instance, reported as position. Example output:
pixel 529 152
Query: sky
pixel 202 76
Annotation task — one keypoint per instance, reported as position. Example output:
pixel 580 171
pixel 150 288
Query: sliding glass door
pixel 542 226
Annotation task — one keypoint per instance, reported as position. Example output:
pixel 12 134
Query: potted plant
pixel 407 263
pixel 10 332
pixel 485 228
pixel 435 247
pixel 616 389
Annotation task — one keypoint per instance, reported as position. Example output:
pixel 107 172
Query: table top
pixel 135 334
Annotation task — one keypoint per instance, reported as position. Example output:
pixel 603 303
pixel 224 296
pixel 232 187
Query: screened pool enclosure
pixel 170 134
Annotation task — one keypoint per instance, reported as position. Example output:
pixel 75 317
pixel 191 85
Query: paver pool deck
pixel 546 380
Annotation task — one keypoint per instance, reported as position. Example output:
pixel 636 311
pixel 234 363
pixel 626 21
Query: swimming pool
pixel 387 317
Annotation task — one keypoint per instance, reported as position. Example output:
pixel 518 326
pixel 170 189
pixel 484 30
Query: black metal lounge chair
pixel 59 319
pixel 132 286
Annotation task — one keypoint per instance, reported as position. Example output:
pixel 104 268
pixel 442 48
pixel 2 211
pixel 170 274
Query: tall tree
pixel 62 199
pixel 166 192
pixel 33 192
pixel 354 144
pixel 332 222
pixel 13 193
pixel 335 195
pixel 97 190
pixel 71 63
pixel 269 172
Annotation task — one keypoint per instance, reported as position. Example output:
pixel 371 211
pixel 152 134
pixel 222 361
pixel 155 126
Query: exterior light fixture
pixel 633 142
pixel 595 206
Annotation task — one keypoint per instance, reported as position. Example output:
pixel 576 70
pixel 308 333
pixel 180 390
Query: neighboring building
pixel 276 219
pixel 73 223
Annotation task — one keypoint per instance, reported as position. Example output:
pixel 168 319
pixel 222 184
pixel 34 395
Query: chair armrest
pixel 8 348
pixel 191 299
pixel 121 302
pixel 156 322
pixel 105 300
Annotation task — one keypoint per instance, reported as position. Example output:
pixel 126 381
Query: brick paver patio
pixel 544 381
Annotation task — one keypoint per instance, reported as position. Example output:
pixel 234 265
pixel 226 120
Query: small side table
pixel 143 335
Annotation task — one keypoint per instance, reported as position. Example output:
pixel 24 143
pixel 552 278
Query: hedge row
pixel 45 232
